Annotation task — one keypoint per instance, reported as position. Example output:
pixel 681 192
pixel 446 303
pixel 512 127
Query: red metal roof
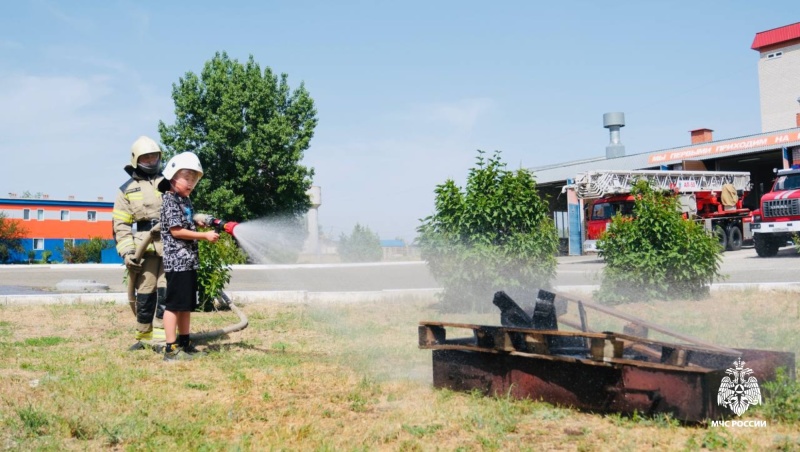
pixel 776 36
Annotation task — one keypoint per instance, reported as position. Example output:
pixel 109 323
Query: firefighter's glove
pixel 132 264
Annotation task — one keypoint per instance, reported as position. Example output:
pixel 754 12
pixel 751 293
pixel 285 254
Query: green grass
pixel 328 377
pixel 5 329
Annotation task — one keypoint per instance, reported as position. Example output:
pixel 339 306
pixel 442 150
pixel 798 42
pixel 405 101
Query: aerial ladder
pixel 715 197
pixel 597 184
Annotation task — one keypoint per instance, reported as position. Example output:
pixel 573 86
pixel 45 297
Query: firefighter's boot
pixel 158 322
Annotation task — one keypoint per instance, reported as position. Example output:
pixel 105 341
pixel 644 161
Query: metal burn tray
pixel 528 357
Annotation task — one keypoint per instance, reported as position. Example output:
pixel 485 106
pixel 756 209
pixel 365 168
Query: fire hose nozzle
pixel 228 226
pixel 216 223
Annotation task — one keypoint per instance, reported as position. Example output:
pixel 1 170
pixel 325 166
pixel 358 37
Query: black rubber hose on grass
pixel 222 298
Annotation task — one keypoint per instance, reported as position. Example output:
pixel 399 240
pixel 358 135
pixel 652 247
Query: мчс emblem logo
pixel 741 391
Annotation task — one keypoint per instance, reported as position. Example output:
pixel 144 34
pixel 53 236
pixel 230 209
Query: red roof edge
pixel 776 36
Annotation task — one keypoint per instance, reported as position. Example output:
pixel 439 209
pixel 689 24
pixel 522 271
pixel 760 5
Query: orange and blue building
pixel 48 225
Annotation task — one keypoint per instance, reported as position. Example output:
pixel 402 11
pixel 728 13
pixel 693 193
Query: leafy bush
pixel 86 251
pixel 781 398
pixel 497 234
pixel 657 254
pixel 215 267
pixel 363 245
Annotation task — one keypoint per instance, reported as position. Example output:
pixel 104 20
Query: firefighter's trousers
pixel 151 287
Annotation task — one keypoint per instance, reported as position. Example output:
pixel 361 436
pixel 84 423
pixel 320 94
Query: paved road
pixel 742 267
pixel 40 279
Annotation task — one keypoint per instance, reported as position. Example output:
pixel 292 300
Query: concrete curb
pixel 719 287
pixel 244 297
pixel 306 297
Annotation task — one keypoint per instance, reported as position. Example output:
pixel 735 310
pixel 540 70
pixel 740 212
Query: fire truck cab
pixel 603 210
pixel 777 222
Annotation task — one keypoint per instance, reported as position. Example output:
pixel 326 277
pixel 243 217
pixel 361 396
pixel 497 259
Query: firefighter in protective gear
pixel 137 210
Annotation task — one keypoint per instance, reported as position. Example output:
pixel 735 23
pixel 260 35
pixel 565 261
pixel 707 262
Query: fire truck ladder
pixel 596 184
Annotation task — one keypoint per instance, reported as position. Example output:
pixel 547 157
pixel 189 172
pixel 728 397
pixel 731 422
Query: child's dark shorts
pixel 181 291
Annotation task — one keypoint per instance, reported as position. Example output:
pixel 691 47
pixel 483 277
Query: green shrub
pixel 215 267
pixel 85 251
pixel 657 254
pixel 497 234
pixel 781 399
pixel 363 245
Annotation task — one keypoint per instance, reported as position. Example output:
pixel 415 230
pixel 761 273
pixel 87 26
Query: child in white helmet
pixel 181 256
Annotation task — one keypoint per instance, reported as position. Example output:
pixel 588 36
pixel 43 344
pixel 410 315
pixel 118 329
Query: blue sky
pixel 406 92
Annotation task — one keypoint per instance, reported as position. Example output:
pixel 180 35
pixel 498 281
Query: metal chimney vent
pixel 613 122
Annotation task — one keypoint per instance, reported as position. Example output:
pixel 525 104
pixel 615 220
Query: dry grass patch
pixel 326 377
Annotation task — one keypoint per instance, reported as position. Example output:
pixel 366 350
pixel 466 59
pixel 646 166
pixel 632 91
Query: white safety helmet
pixel 143 145
pixel 184 160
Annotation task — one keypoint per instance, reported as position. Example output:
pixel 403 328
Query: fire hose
pixel 222 298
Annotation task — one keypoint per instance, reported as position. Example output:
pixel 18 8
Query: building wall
pixel 779 85
pixel 48 223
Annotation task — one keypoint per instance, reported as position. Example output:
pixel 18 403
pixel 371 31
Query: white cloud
pixel 35 101
pixel 77 23
pixel 69 135
pixel 139 18
pixel 463 114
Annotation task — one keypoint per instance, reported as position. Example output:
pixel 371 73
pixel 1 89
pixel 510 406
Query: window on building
pixel 774 55
pixel 91 215
pixel 69 242
pixel 65 215
pixel 26 214
pixel 38 244
pixel 40 215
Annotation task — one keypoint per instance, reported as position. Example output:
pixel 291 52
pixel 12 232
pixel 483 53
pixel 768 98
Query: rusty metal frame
pixel 614 372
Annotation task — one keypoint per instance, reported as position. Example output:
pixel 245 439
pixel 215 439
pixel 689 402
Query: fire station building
pixel 778 146
pixel 51 224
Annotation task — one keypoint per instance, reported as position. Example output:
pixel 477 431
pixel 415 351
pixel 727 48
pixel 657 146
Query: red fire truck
pixel 777 221
pixel 713 197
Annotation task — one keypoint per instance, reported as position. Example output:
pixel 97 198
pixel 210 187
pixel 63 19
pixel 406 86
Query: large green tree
pixel 250 130
pixel 11 235
pixel 497 234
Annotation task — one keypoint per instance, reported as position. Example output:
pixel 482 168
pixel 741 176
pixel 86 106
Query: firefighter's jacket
pixel 138 205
